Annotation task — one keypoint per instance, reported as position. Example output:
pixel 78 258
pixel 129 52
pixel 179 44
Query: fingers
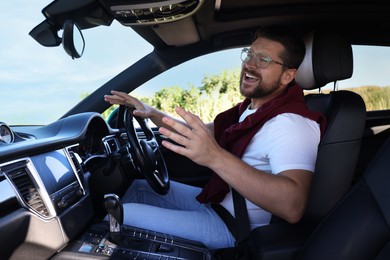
pixel 121 98
pixel 192 140
pixel 177 138
pixel 119 93
pixel 181 145
pixel 127 99
pixel 180 128
pixel 183 134
pixel 193 121
pixel 175 148
pixel 141 113
pixel 118 98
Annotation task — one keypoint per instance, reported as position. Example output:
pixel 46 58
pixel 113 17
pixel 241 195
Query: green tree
pixel 220 92
pixel 217 93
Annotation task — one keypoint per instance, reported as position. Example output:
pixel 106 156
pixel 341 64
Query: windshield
pixel 34 78
pixel 40 84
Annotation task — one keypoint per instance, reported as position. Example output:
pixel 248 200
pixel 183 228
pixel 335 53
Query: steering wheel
pixel 146 153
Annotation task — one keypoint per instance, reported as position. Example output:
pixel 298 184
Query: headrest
pixel 328 58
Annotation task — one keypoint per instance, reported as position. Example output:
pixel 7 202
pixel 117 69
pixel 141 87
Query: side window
pixel 205 85
pixel 370 79
pixel 209 84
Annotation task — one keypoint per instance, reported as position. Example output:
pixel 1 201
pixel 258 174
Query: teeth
pixel 250 76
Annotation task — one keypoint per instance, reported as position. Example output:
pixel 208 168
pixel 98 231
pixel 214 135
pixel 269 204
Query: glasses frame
pixel 265 59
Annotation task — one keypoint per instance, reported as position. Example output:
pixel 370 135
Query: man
pixel 265 148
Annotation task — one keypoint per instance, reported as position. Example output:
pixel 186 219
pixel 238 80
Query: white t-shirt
pixel 287 141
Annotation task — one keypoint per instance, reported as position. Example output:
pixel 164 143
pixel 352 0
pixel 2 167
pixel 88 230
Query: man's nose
pixel 251 64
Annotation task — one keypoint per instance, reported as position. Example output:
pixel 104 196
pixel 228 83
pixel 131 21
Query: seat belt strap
pixel 241 214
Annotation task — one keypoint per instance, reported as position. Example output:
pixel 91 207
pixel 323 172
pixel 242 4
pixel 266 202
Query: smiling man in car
pixel 265 148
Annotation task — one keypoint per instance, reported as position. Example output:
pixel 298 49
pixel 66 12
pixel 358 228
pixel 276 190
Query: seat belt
pixel 239 225
pixel 241 215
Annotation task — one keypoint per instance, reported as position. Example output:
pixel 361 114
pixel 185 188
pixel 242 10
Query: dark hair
pixel 293 45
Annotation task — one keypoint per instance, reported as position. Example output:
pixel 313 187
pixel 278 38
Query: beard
pixel 262 89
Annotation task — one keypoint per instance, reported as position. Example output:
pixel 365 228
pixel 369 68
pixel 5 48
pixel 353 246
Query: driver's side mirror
pixel 72 39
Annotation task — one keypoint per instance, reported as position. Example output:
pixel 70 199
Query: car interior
pixel 61 184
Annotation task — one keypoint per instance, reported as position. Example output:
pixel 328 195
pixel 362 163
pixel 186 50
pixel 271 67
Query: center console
pixel 135 244
pixel 113 240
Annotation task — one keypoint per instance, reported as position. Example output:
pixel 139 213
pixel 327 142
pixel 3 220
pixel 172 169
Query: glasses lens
pixel 263 61
pixel 246 55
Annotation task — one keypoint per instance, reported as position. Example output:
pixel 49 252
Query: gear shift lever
pixel 115 212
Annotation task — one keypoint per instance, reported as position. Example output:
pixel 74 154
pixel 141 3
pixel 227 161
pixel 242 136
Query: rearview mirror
pixel 72 39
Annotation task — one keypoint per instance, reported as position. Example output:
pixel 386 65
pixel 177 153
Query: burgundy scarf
pixel 235 137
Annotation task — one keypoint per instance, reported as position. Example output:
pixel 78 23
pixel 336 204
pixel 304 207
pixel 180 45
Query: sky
pixel 38 78
pixel 34 78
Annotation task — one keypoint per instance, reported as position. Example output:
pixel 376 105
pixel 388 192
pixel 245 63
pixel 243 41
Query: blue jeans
pixel 177 213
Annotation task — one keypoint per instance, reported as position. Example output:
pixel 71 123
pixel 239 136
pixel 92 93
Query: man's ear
pixel 288 76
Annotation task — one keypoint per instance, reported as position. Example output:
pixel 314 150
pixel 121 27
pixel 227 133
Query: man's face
pixel 258 82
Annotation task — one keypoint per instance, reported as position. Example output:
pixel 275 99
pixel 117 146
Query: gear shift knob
pixel 115 212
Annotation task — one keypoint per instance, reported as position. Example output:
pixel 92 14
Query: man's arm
pixel 141 109
pixel 284 194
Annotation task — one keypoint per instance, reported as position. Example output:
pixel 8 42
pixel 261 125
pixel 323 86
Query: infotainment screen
pixel 54 170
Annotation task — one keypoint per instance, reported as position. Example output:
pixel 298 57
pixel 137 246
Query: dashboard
pixel 44 192
pixel 53 180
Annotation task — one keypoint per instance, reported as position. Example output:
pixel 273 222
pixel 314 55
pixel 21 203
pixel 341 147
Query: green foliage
pixel 376 98
pixel 108 111
pixel 218 93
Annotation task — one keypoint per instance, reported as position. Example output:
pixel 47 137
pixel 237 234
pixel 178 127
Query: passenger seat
pixel 359 226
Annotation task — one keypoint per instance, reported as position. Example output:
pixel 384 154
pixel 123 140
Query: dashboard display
pixel 54 169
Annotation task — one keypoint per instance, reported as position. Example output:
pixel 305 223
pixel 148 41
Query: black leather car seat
pixel 332 60
pixel 359 226
pixel 328 59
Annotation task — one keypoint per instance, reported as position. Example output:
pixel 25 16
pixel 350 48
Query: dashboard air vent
pixel 27 190
pixel 77 164
pixel 111 145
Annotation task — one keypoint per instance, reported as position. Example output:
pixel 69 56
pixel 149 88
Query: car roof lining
pixel 209 23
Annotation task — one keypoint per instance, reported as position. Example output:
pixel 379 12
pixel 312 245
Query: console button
pixel 165 248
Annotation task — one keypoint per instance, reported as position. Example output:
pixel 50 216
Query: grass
pixel 375 97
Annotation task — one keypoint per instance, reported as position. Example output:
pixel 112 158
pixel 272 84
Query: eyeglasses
pixel 261 61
